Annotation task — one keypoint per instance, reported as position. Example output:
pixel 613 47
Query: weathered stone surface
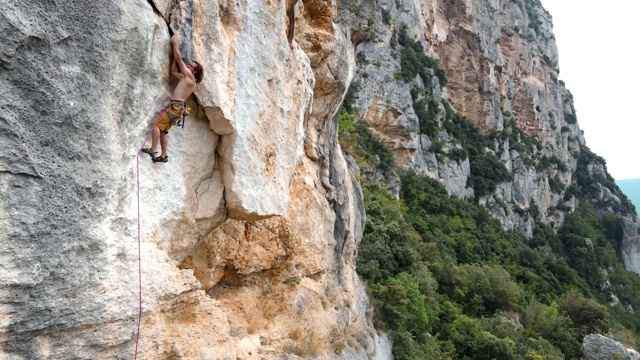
pixel 599 347
pixel 455 175
pixel 69 231
pixel 260 156
pixel 241 251
pixel 496 71
pixel 630 248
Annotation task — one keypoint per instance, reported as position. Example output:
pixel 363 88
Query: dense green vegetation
pixel 414 61
pixel 439 265
pixel 448 282
pixel 427 113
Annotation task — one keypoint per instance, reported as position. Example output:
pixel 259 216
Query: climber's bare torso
pixel 186 80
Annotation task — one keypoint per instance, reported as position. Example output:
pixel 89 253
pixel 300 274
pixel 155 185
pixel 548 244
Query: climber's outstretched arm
pixel 174 70
pixel 177 58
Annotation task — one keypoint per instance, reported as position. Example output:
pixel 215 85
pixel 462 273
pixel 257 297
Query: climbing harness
pixel 184 111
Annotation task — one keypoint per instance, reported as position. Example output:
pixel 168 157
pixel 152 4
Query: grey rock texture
pixel 248 233
pixel 599 347
pixel 65 242
pixel 631 244
pixel 502 68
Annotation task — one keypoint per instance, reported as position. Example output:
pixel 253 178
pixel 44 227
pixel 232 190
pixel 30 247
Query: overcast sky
pixel 597 45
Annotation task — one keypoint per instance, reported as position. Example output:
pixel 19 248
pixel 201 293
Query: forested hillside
pixel 448 282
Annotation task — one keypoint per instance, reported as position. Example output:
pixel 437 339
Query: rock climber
pixel 188 76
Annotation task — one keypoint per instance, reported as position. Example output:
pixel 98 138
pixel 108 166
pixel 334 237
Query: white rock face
pixel 247 239
pixel 498 70
pixel 631 245
pixel 455 175
pixel 599 347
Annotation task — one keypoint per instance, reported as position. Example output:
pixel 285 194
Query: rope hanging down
pixel 139 242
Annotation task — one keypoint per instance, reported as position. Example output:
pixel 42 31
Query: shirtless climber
pixel 188 76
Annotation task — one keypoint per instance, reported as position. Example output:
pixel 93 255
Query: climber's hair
pixel 198 71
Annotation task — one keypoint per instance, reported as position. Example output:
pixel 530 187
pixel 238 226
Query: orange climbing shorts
pixel 172 113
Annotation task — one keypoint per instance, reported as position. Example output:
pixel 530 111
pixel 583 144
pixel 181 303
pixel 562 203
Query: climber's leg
pixel 164 141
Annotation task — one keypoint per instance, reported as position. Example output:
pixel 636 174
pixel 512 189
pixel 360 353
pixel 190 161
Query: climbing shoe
pixel 160 159
pixel 150 152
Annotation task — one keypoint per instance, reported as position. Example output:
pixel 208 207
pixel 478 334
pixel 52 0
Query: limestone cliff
pixel 598 347
pixel 501 66
pixel 249 233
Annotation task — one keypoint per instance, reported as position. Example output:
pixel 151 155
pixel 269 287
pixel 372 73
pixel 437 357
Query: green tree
pixel 389 244
pixel 587 315
pixel 401 304
pixel 490 288
pixel 471 341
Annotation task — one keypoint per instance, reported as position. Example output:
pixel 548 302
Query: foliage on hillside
pixel 414 61
pixel 589 182
pixel 448 282
pixel 487 170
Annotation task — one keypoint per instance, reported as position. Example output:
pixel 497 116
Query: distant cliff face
pixel 501 65
pixel 498 69
pixel 249 233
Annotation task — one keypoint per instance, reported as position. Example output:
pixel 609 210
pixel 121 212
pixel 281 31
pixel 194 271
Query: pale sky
pixel 597 46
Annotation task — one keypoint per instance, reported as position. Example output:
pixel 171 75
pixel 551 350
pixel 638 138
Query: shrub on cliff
pixel 590 182
pixel 414 61
pixel 487 170
pixel 391 245
pixel 373 150
pixel 401 305
pixel 427 112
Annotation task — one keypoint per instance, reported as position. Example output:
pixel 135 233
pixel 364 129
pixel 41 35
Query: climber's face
pixel 197 70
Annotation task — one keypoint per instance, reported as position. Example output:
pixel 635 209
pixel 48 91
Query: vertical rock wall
pixel 249 232
pixel 630 247
pixel 501 63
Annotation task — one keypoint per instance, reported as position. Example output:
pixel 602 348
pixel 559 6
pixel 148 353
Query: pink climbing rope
pixel 139 242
